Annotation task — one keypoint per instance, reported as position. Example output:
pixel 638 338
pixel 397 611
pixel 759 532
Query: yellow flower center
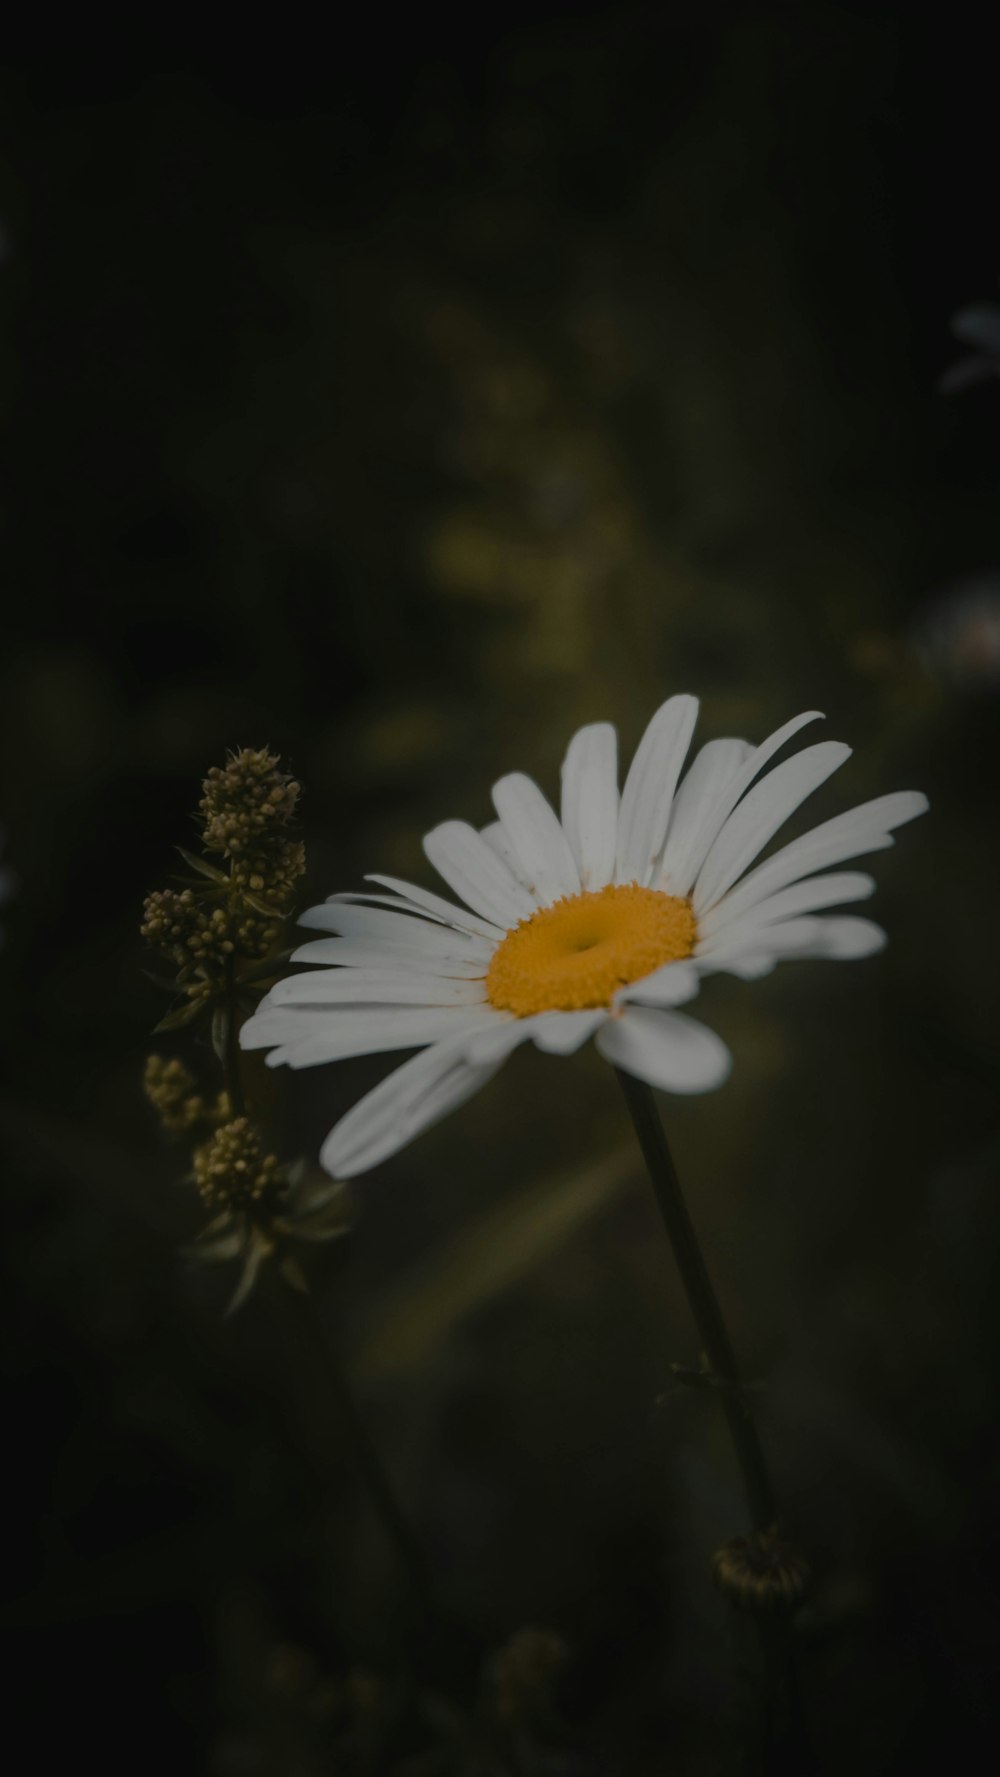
pixel 575 953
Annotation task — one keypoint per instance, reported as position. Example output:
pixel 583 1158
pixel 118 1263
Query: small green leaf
pixel 264 970
pixel 203 867
pixel 220 1031
pixel 697 1378
pixel 259 906
pixel 180 1016
pixel 292 1275
pixel 159 981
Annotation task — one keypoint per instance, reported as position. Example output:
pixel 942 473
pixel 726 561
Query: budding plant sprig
pixel 220 930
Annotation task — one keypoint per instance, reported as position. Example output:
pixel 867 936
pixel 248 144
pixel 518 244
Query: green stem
pixel 701 1298
pixel 231 1048
pixel 366 1456
pixel 369 1463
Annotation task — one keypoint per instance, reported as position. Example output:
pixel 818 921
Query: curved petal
pixel 477 873
pixel 848 939
pixel 673 985
pixel 590 802
pixel 359 987
pixel 496 838
pixel 438 908
pixel 649 788
pixel 751 965
pixel 762 811
pixel 806 896
pixel 370 924
pixel 309 1036
pixel 837 939
pixel 854 834
pixel 362 953
pixel 402 1106
pixel 536 837
pixel 695 817
pixel 367 898
pixel 666 1049
pixel 562 1033
pixel 729 794
pixel 789 937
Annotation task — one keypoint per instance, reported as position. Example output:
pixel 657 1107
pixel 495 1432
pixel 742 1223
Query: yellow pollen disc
pixel 575 953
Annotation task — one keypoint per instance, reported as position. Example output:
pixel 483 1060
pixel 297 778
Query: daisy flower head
pixel 597 922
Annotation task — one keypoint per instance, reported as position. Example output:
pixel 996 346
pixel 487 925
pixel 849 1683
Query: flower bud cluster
pixel 172 1090
pixel 220 929
pixel 270 873
pixel 193 933
pixel 232 1171
pixel 246 801
pixel 235 911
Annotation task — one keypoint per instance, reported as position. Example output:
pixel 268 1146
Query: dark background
pixel 401 396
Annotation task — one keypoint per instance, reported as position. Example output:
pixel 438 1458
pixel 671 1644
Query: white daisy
pixel 599 923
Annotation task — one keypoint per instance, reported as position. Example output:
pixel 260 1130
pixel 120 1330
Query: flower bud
pixel 233 1172
pixel 760 1572
pixel 187 930
pixel 246 802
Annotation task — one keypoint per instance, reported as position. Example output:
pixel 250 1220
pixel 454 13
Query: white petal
pixel 418 1094
pixel 396 987
pixel 789 937
pixel 438 908
pixel 851 835
pixel 477 873
pixel 536 837
pixel 751 965
pixel 803 897
pixel 695 817
pixel 315 1035
pixel 373 924
pixel 267 1026
pixel 590 802
pixel 848 939
pixel 665 1049
pixel 735 786
pixel 362 953
pixel 840 939
pixel 365 898
pixel 672 985
pixel 498 841
pixel 562 1033
pixel 763 810
pixel 649 788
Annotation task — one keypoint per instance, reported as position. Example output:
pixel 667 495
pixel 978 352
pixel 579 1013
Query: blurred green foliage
pixel 401 426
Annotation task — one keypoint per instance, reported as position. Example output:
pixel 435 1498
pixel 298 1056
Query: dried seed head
pixel 760 1572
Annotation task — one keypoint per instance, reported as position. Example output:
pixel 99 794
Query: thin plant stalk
pixel 785 1746
pixel 702 1299
pixel 230 1056
pixel 366 1457
pixel 351 1423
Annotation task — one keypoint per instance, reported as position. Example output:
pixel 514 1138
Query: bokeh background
pixel 402 398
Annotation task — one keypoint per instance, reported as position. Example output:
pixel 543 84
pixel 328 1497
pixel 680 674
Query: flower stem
pixel 231 1047
pixel 367 1460
pixel 302 1307
pixel 701 1298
